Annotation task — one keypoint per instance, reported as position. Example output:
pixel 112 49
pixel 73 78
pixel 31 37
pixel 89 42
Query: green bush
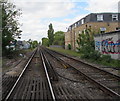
pixel 115 63
pixel 95 55
pixel 88 52
pixel 86 48
pixel 69 46
pixel 106 58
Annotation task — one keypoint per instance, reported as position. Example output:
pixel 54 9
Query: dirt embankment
pixel 14 66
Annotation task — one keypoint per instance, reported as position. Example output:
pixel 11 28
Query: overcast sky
pixel 38 14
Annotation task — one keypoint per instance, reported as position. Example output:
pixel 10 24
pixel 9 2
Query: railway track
pixel 32 83
pixel 107 82
pixel 37 81
pixel 41 79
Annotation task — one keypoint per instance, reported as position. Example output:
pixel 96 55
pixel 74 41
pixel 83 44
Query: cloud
pixel 50 0
pixel 34 12
pixel 38 14
pixel 95 6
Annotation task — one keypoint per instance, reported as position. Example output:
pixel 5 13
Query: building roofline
pixel 96 13
pixel 107 33
pixel 106 13
pixel 80 19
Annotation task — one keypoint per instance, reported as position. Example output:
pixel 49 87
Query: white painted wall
pixel 108 43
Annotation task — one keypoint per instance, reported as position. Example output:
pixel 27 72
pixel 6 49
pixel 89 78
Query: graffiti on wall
pixel 97 45
pixel 108 46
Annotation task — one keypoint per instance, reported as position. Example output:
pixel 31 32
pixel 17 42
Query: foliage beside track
pixel 86 48
pixel 54 38
pixel 103 60
pixel 68 52
pixel 10 25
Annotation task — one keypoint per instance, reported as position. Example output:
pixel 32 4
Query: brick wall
pixel 71 36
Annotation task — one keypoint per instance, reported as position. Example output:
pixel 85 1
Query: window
pixel 99 17
pixel 79 32
pixel 90 25
pixel 75 25
pixel 114 17
pixel 75 34
pixel 102 29
pixel 82 21
pixel 72 26
pixel 117 28
pixel 69 28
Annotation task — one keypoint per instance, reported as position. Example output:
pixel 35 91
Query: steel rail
pixel 51 68
pixel 48 78
pixel 104 88
pixel 95 67
pixel 20 75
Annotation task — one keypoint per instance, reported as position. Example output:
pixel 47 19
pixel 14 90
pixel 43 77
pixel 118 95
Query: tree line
pixel 10 27
pixel 56 38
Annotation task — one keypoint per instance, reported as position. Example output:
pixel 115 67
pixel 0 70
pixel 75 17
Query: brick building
pixel 98 22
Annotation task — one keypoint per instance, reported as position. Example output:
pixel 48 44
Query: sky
pixel 38 14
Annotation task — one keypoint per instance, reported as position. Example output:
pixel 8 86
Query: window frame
pixel 100 17
pixel 82 21
pixel 113 16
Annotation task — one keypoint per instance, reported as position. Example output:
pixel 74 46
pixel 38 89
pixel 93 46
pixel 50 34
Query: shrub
pixel 95 55
pixel 106 58
pixel 69 46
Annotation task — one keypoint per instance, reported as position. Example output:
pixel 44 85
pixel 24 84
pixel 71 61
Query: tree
pixel 30 42
pixel 85 39
pixel 51 34
pixel 34 43
pixel 59 38
pixel 10 25
pixel 45 42
pixel 86 44
pixel 39 43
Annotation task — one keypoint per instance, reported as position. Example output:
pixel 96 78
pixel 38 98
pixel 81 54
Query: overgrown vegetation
pixel 51 34
pixel 56 38
pixel 69 46
pixel 87 50
pixel 45 42
pixel 100 59
pixel 86 47
pixel 59 38
pixel 107 61
pixel 86 44
pixel 33 44
pixel 10 25
pixel 68 52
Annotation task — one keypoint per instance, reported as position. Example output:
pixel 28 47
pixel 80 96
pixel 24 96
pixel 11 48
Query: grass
pixel 102 61
pixel 112 63
pixel 68 52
